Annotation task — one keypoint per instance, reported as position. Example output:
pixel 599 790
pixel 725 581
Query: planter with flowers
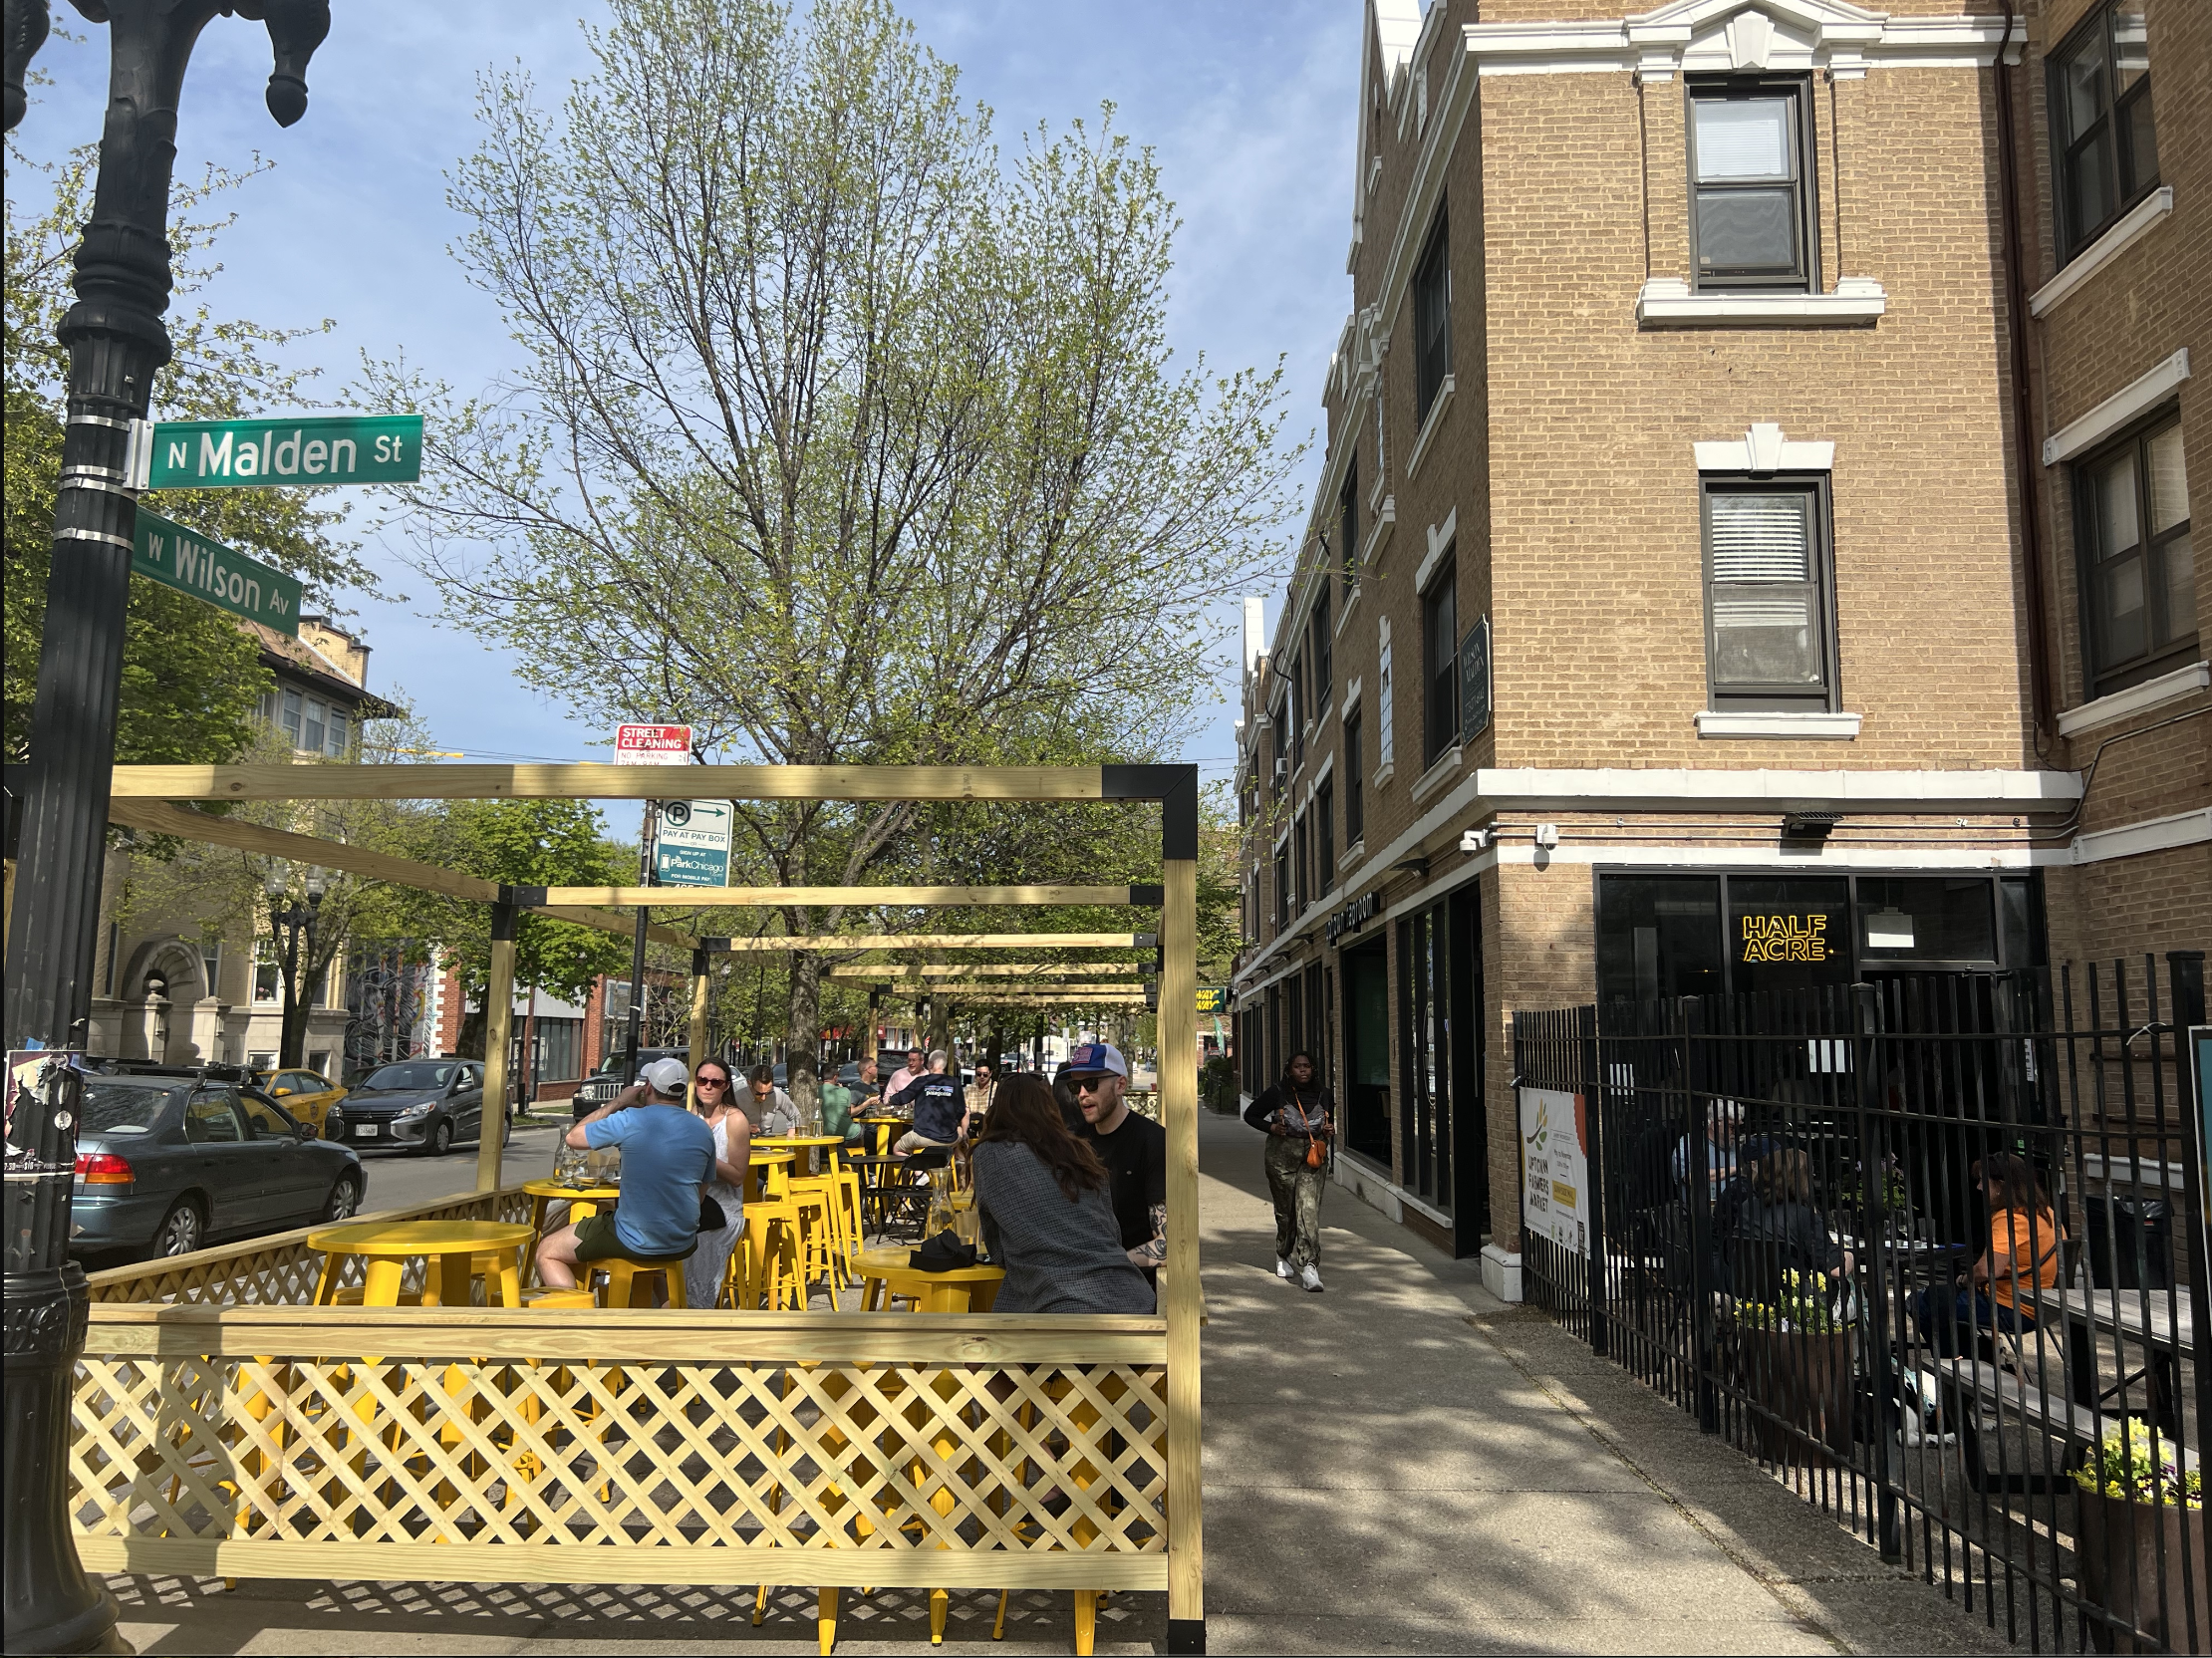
pixel 2136 1504
pixel 1795 1361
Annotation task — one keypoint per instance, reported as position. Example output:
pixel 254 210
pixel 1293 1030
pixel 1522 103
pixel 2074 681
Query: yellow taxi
pixel 308 1096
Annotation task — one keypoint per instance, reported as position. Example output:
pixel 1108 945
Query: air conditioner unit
pixel 1282 771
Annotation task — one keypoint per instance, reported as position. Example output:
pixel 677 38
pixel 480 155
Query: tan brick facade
pixel 1558 482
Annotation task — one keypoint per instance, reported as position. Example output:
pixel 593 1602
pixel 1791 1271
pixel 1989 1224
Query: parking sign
pixel 653 746
pixel 692 847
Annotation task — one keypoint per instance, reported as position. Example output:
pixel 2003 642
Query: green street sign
pixel 262 455
pixel 188 561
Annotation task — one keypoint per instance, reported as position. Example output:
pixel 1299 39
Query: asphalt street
pixel 400 1178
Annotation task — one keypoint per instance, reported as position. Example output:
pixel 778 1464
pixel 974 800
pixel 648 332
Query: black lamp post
pixel 115 341
pixel 288 919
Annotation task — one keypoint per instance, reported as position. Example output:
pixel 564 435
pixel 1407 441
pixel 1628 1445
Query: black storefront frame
pixel 1860 965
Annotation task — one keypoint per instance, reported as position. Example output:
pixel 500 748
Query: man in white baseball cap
pixel 1133 1147
pixel 667 1155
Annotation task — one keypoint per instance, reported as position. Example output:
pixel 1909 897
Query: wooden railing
pixel 623 1447
pixel 279 1269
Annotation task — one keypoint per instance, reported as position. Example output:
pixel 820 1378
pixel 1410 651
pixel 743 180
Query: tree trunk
pixel 802 1027
pixel 469 1045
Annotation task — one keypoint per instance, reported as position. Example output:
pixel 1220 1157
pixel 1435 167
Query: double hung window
pixel 1317 652
pixel 1440 620
pixel 1301 874
pixel 1347 529
pixel 1432 318
pixel 1324 832
pixel 1750 185
pixel 1355 825
pixel 2104 154
pixel 2139 569
pixel 1769 629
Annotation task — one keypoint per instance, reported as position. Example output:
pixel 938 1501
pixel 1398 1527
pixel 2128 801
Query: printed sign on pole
pixel 653 746
pixel 693 848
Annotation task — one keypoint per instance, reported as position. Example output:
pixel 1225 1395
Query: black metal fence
pixel 1932 1248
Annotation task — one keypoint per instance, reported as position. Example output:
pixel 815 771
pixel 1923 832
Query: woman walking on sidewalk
pixel 1299 1116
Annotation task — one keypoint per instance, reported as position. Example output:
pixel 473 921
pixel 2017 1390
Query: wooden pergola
pixel 816 1533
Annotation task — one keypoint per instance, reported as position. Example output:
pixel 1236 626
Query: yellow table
pixel 807 1142
pixel 451 1245
pixel 884 1273
pixel 769 1173
pixel 883 1125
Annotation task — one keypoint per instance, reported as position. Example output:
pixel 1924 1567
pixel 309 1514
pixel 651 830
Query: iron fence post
pixel 2185 1003
pixel 1875 1196
pixel 1697 1186
pixel 1593 1175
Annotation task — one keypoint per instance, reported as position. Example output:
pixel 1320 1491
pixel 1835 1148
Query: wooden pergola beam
pixel 993 969
pixel 606 782
pixel 734 898
pixel 934 940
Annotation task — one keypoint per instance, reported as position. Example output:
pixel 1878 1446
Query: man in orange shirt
pixel 1998 1291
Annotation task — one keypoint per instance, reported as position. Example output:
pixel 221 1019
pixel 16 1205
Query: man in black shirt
pixel 1133 1147
pixel 939 1109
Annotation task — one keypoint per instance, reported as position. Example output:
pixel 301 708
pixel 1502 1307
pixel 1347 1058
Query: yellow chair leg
pixel 1086 1622
pixel 760 1605
pixel 998 1630
pixel 939 1604
pixel 825 1619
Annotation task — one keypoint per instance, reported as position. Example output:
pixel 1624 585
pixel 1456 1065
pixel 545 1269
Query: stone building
pixel 169 988
pixel 1692 598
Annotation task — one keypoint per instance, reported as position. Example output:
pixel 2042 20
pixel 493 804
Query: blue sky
pixel 1250 107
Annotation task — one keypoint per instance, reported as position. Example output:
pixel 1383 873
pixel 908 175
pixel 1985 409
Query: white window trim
pixel 2130 229
pixel 1383 774
pixel 2105 710
pixel 1763 450
pixel 2159 834
pixel 1344 611
pixel 1832 727
pixel 1350 703
pixel 1378 533
pixel 1668 301
pixel 1351 855
pixel 1322 773
pixel 1446 767
pixel 2138 396
pixel 1438 406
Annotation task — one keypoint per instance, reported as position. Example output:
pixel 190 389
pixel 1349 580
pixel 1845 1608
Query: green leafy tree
pixel 191 676
pixel 839 438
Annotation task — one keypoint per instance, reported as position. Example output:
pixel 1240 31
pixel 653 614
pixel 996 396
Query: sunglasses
pixel 1086 1084
pixel 713 1082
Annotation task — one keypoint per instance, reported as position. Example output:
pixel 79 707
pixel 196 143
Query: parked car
pixel 173 1159
pixel 609 1080
pixel 308 1098
pixel 428 1105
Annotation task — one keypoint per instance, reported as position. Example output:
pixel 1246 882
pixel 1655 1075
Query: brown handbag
pixel 1312 1152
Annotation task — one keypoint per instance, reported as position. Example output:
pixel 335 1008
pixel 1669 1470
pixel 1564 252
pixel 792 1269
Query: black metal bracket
pixel 1176 787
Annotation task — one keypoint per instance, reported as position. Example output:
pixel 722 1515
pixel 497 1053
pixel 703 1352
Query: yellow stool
pixel 821 1240
pixel 765 1268
pixel 550 1299
pixel 623 1275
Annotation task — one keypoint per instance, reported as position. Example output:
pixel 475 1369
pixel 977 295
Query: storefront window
pixel 1424 1038
pixel 1927 919
pixel 1789 933
pixel 1659 935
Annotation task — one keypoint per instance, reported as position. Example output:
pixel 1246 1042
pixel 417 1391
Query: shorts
pixel 596 1239
pixel 910 1142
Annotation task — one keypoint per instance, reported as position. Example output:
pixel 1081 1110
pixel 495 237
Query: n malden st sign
pixel 310 450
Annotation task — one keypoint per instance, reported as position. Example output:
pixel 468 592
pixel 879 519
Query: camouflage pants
pixel 1296 1191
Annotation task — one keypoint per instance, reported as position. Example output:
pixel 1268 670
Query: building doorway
pixel 1366 979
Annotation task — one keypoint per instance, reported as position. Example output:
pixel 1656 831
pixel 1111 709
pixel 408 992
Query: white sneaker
pixel 1312 1280
pixel 1282 1267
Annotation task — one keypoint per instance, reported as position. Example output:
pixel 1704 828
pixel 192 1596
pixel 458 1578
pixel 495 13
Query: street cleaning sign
pixel 653 746
pixel 692 847
pixel 310 449
pixel 188 561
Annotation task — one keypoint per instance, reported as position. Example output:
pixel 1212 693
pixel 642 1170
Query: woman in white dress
pixel 703 1274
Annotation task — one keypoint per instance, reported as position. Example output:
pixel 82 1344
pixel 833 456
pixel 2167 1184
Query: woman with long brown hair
pixel 2023 1256
pixel 1040 1194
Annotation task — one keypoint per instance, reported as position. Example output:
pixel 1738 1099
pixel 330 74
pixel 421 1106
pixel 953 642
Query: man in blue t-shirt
pixel 667 1155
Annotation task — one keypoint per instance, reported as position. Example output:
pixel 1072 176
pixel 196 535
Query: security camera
pixel 1473 840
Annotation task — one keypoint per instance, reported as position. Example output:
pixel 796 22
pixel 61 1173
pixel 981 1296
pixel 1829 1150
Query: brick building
pixel 1690 600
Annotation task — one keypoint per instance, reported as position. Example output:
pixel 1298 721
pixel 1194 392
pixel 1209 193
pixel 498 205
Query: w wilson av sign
pixel 315 449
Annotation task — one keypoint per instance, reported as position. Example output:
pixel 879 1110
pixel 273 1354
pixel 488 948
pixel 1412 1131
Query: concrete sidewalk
pixel 1401 1463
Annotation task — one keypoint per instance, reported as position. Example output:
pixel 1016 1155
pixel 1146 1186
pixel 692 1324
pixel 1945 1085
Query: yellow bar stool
pixel 821 1238
pixel 623 1277
pixel 764 1267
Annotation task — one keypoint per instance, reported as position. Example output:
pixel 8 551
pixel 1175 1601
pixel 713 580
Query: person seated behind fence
pixel 769 1109
pixel 904 1075
pixel 2024 1245
pixel 1721 1120
pixel 1041 1198
pixel 939 1108
pixel 1776 1223
pixel 667 1155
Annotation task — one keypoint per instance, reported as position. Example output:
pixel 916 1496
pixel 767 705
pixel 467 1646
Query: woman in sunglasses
pixel 714 1095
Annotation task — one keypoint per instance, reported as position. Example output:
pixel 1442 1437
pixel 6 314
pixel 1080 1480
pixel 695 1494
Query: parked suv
pixel 171 1158
pixel 425 1105
pixel 596 1090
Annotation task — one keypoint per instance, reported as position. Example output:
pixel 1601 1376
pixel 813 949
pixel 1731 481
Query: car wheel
pixel 344 1199
pixel 441 1136
pixel 182 1229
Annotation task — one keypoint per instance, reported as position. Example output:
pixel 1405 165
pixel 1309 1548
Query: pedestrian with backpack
pixel 1299 1116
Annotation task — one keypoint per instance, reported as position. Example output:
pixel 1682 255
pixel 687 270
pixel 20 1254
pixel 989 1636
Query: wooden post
pixel 1179 1113
pixel 697 1050
pixel 498 1029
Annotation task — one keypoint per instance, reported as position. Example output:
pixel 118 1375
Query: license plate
pixel 365 1131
